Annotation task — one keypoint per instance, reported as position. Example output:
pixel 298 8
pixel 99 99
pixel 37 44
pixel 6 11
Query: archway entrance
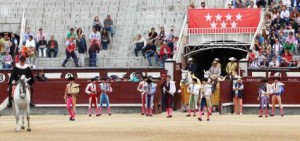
pixel 9 34
pixel 204 58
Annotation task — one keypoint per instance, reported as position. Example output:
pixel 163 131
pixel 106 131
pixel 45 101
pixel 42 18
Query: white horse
pixel 21 100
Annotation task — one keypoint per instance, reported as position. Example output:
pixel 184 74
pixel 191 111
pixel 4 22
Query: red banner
pixel 218 20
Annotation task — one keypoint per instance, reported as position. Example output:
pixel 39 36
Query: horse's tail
pixel 4 104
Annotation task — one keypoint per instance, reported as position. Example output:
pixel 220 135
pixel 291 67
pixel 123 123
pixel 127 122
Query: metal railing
pixel 181 40
pixel 11 11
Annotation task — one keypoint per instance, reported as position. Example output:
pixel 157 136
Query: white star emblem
pixel 208 17
pixel 218 17
pixel 213 25
pixel 233 24
pixel 238 17
pixel 228 17
pixel 223 24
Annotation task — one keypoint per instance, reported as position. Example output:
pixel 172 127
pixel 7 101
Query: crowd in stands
pixel 159 46
pixel 278 42
pixel 75 43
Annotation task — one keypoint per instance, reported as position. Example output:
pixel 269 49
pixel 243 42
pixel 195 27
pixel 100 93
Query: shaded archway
pixel 9 34
pixel 204 58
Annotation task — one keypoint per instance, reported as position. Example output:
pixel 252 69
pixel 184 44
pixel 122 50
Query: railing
pixel 181 41
pixel 259 27
pixel 11 11
pixel 199 36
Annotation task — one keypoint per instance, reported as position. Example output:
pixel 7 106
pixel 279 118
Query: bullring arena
pixel 133 127
pixel 161 58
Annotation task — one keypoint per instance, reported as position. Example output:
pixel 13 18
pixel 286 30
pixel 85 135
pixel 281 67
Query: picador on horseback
pixel 19 70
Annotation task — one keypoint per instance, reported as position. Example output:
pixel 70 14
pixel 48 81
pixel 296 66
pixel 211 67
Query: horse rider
pixel 231 68
pixel 192 67
pixel 214 72
pixel 20 69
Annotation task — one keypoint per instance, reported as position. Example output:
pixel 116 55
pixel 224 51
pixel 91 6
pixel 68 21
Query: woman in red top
pixel 287 57
pixel 164 53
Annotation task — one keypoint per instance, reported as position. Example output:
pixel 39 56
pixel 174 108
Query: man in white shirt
pixel 169 89
pixel 193 90
pixel 285 14
pixel 95 35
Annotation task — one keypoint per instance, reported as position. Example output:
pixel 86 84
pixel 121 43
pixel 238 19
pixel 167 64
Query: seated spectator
pixel 277 22
pixel 171 46
pixel 261 3
pixel 280 5
pixel 52 47
pixel 286 58
pixel 255 63
pixel 108 25
pixel 158 45
pixel 42 47
pixel 140 43
pixel 104 39
pixel 229 6
pixel 290 42
pixel 70 34
pixel 70 52
pixel 264 63
pixel 294 63
pixel 82 50
pixel 7 43
pixel 30 50
pixel 26 35
pixel 285 14
pixel 260 56
pixel 171 35
pixel 41 77
pixel 95 35
pixel 240 4
pixel 281 38
pixel 274 63
pixel 152 35
pixel 277 47
pixel 287 3
pixel 40 36
pixel 294 13
pixel 251 55
pixel 164 53
pixel 251 4
pixel 97 24
pixel 93 50
pixel 150 51
pixel 7 61
pixel 162 34
pixel 192 5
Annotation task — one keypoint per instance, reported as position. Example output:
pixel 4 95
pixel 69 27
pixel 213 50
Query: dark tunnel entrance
pixel 204 59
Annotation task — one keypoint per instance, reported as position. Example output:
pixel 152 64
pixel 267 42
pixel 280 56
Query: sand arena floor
pixel 134 127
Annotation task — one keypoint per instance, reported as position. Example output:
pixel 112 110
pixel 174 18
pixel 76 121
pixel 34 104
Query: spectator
pixel 162 34
pixel 255 63
pixel 251 55
pixel 230 6
pixel 14 45
pixel 202 5
pixel 7 61
pixel 279 7
pixel 41 77
pixel 93 50
pixel 70 52
pixel 97 24
pixel 294 13
pixel 164 53
pixel 42 47
pixel 281 38
pixel 294 63
pixel 7 44
pixel 257 46
pixel 26 35
pixel 79 33
pixel 274 63
pixel 277 47
pixel 95 35
pixel 171 46
pixel 285 14
pixel 150 51
pixel 287 56
pixel 261 3
pixel 277 22
pixel 82 50
pixel 239 4
pixel 264 63
pixel 290 42
pixel 104 39
pixel 156 55
pixel 30 45
pixel 287 3
pixel 40 36
pixel 108 25
pixel 171 35
pixel 251 4
pixel 140 44
pixel 52 47
pixel 296 4
pixel 192 5
pixel 152 34
pixel 70 34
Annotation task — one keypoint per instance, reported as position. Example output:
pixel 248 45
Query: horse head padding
pixel 23 78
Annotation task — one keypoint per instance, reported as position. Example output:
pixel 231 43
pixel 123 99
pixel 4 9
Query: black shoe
pixel 272 115
pixel 90 115
pixel 31 104
pixel 282 115
pixel 200 119
pixel 9 104
pixel 260 116
pixel 77 66
pixel 188 115
pixel 208 119
pixel 142 114
pixel 194 115
pixel 266 116
pixel 63 66
pixel 98 115
pixel 70 118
